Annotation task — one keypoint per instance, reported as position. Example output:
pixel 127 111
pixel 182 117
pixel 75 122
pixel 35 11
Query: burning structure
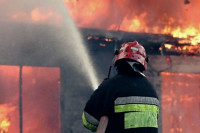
pixel 43 90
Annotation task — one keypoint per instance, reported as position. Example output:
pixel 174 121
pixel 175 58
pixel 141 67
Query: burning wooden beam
pixel 155 44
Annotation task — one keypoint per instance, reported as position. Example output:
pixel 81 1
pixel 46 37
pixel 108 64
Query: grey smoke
pixel 49 41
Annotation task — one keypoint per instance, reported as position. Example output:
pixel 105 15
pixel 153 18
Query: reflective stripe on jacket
pixel 89 121
pixel 129 101
pixel 139 111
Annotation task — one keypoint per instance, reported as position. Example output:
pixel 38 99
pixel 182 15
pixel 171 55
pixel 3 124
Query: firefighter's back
pixel 135 104
pixel 128 99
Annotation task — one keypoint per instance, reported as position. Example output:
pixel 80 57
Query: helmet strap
pixel 135 68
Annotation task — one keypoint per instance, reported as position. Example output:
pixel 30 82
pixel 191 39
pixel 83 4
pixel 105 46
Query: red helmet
pixel 132 51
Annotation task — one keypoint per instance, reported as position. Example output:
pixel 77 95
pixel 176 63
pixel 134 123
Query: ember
pixel 178 49
pixel 100 38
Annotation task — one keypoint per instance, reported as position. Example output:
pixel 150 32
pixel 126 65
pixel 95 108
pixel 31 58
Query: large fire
pixel 178 18
pixel 40 99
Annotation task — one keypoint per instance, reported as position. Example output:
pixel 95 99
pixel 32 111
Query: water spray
pixel 90 69
pixel 87 62
pixel 80 51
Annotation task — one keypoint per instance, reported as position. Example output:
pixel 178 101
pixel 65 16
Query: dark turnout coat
pixel 129 101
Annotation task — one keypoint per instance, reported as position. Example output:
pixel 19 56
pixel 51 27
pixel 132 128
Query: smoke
pixel 153 15
pixel 42 33
pixel 42 30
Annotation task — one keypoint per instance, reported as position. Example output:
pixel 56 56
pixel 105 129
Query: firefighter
pixel 127 102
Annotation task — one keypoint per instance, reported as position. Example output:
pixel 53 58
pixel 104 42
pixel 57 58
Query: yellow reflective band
pixel 140 119
pixel 91 119
pixel 136 107
pixel 87 124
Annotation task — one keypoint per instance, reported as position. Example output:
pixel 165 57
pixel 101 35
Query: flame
pixel 98 38
pixel 108 39
pixel 43 117
pixel 177 18
pixel 168 46
pixel 4 126
pixel 135 24
pixel 5 123
pixel 182 49
pixel 190 34
pixel 101 39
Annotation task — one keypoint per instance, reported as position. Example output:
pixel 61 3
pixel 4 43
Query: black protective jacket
pixel 129 101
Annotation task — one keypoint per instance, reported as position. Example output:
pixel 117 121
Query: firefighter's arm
pixel 89 121
pixel 102 124
pixel 95 110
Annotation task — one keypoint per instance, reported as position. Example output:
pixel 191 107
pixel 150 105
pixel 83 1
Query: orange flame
pixel 184 49
pixel 4 126
pixel 170 17
pixel 5 109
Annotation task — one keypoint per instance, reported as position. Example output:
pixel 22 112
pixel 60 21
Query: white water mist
pixel 54 14
pixel 80 50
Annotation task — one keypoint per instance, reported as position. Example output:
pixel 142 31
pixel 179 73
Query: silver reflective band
pixel 91 119
pixel 136 99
